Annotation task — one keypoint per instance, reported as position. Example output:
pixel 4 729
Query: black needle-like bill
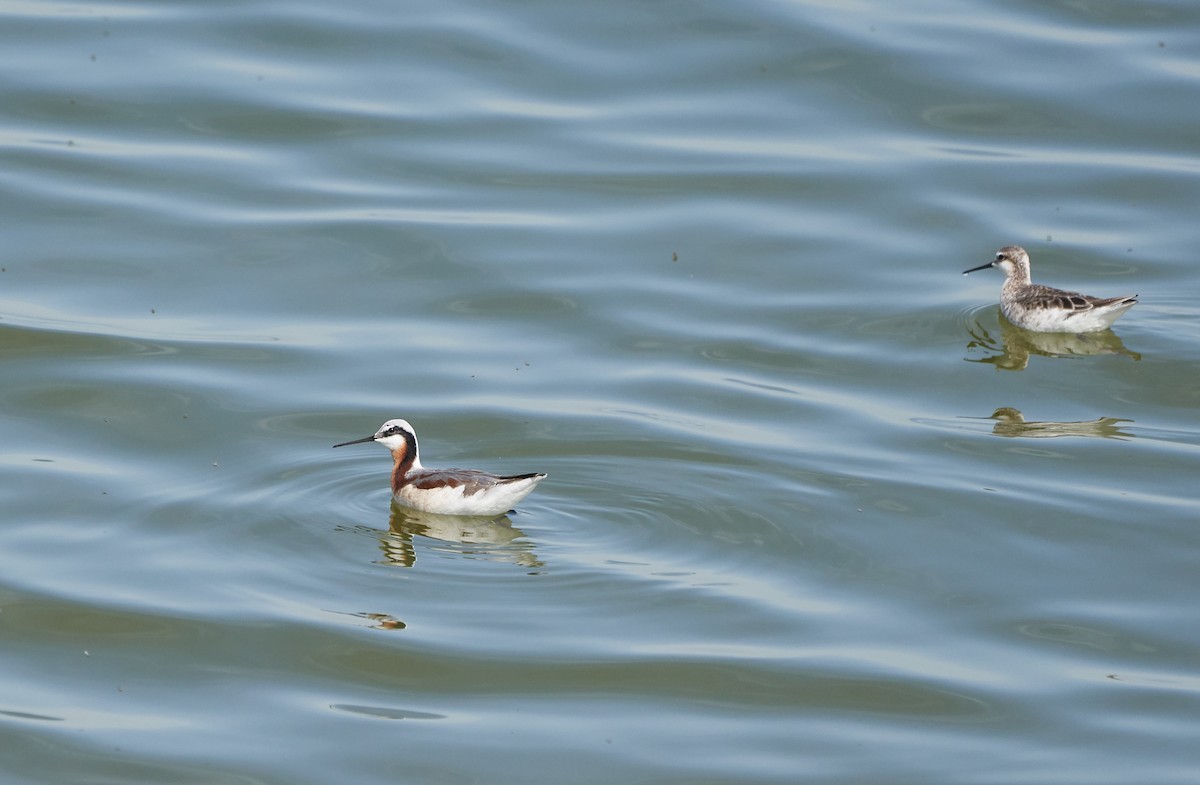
pixel 370 438
pixel 980 267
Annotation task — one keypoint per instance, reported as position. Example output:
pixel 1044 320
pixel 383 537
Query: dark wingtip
pixel 530 476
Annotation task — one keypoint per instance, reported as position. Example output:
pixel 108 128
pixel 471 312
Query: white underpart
pixel 1053 320
pixel 495 500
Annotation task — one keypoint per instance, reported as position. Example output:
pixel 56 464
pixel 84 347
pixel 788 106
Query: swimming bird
pixel 445 491
pixel 1046 309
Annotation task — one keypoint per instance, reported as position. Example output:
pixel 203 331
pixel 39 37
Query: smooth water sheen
pixel 815 512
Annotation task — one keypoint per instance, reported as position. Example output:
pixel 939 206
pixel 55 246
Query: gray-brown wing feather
pixel 1048 297
pixel 472 481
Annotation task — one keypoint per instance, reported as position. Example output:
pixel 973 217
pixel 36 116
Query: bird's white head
pixel 1011 260
pixel 396 435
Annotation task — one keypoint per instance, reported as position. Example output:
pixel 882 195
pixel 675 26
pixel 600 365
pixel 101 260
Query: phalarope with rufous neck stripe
pixel 1046 309
pixel 445 491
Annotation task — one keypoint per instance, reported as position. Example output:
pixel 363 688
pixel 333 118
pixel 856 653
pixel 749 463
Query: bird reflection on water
pixel 1011 423
pixel 492 539
pixel 1011 352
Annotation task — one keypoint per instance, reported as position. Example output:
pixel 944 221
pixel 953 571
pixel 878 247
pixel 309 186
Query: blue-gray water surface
pixel 815 512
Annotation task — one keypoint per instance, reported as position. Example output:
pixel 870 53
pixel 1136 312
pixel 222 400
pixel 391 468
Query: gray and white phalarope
pixel 1046 309
pixel 445 491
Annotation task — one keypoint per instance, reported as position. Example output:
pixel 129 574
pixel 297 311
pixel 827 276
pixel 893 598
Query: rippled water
pixel 815 511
